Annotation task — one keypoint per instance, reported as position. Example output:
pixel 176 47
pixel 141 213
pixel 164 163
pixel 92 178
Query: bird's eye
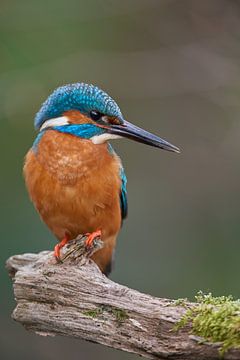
pixel 95 115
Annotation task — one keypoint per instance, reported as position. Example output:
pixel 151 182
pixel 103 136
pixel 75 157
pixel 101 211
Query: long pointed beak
pixel 133 132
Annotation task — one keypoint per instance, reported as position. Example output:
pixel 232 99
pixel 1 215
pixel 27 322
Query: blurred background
pixel 174 68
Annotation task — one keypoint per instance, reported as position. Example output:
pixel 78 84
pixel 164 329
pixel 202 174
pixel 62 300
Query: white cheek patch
pixel 63 120
pixel 99 139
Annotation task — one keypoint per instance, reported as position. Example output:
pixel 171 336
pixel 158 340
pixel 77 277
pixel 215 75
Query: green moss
pixel 215 319
pixel 180 302
pixel 93 313
pixel 119 314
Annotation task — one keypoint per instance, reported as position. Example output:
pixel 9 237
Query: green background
pixel 174 68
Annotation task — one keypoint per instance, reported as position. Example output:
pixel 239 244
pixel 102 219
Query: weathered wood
pixel 79 301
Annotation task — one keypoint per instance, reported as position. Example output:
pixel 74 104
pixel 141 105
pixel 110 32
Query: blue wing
pixel 123 190
pixel 123 194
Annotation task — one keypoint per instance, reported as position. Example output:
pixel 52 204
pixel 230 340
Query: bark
pixel 75 299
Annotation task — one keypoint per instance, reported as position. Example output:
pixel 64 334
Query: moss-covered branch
pixel 214 319
pixel 79 301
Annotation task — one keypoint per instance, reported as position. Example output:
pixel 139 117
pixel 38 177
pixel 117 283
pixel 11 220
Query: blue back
pixel 123 194
pixel 123 190
pixel 79 96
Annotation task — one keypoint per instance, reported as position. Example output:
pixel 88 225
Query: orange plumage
pixel 75 185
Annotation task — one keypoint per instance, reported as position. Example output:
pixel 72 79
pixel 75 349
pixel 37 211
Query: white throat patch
pixel 99 139
pixel 63 120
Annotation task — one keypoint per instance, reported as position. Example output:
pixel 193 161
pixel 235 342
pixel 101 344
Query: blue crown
pixel 79 96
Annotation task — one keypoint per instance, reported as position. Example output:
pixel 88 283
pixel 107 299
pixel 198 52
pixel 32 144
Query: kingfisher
pixel 74 177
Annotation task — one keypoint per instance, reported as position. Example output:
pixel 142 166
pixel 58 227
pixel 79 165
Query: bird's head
pixel 88 112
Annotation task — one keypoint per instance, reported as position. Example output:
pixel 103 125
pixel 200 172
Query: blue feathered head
pixel 79 96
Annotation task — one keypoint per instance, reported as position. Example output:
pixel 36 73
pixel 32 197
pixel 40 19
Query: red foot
pixel 91 237
pixel 59 246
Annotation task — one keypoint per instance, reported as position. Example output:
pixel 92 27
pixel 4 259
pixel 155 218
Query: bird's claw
pixel 89 242
pixel 84 246
pixel 59 246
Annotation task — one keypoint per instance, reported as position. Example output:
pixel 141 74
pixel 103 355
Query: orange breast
pixel 75 185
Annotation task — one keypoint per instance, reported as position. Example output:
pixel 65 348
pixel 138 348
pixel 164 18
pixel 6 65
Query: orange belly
pixel 75 184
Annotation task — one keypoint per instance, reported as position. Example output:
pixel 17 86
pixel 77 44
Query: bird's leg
pixel 91 237
pixel 89 244
pixel 59 246
pixel 76 249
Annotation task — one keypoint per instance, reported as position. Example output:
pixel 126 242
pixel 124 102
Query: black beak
pixel 133 132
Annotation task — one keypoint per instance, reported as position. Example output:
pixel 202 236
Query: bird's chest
pixel 70 160
pixel 69 178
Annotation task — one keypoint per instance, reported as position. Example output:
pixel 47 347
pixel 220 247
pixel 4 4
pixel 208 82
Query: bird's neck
pixel 83 131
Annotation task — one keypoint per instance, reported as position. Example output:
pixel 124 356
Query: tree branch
pixel 79 301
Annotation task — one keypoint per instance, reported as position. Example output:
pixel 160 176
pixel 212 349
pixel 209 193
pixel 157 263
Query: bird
pixel 74 177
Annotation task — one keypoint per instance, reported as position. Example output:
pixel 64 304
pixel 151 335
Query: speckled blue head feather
pixel 79 96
